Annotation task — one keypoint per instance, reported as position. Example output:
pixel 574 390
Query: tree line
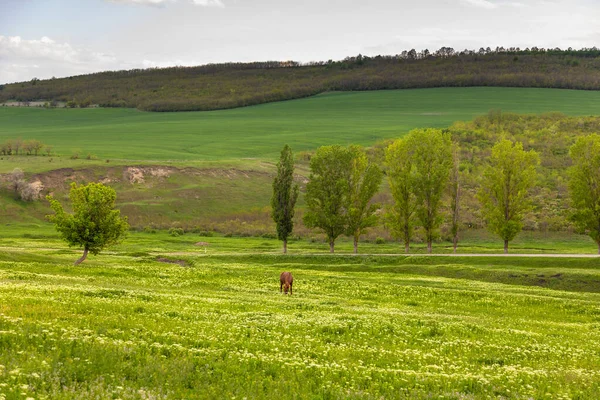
pixel 24 147
pixel 426 177
pixel 423 172
pixel 230 85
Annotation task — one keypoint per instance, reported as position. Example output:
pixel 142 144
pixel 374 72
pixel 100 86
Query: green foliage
pixel 363 182
pixel 584 185
pixel 455 190
pixel 327 191
pixel 400 216
pixel 418 170
pixel 285 194
pixel 94 224
pixel 505 186
pixel 176 232
pixel 431 152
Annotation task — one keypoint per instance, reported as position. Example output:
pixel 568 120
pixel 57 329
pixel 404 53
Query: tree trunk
pixel 83 257
pixel 455 243
pixel 506 247
pixel 429 246
pixel 598 247
pixel 284 246
pixel 355 244
pixel 331 244
pixel 407 247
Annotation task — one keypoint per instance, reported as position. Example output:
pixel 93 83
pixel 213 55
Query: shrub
pixel 176 232
pixel 149 229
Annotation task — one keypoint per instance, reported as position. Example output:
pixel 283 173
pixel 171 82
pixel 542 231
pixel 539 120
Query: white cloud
pixel 480 3
pixel 208 3
pixel 143 2
pixel 203 3
pixel 21 59
pixel 16 48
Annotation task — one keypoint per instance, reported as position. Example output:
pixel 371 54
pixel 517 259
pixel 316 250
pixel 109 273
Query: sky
pixel 57 38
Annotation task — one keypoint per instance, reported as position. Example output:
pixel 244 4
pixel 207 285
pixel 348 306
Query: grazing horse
pixel 286 279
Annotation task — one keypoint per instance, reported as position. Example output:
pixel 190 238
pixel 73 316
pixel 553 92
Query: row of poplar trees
pixel 422 169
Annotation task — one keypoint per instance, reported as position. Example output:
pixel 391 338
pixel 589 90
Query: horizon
pixel 62 38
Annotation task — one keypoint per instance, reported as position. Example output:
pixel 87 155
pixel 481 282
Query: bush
pixel 380 240
pixel 176 232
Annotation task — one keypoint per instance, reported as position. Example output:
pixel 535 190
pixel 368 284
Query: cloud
pixel 16 48
pixel 21 59
pixel 208 3
pixel 480 3
pixel 203 3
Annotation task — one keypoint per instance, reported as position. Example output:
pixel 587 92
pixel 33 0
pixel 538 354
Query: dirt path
pixel 541 255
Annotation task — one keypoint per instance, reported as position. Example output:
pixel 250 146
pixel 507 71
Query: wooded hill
pixel 220 86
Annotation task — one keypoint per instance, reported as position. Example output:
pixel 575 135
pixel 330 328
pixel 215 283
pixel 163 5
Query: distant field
pixel 261 131
pixel 123 325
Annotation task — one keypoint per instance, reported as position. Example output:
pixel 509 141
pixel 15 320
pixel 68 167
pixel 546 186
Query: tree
pixel 327 191
pixel 16 178
pixel 584 185
pixel 94 224
pixel 505 186
pixel 285 194
pixel 364 180
pixel 432 162
pixel 400 217
pixel 455 195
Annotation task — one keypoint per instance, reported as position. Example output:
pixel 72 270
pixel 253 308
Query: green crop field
pixel 124 325
pixel 261 131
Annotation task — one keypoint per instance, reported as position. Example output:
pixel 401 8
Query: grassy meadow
pixel 259 132
pixel 200 315
pixel 212 323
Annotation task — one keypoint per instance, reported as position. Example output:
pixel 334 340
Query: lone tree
pixel 364 180
pixel 400 216
pixel 505 186
pixel 584 185
pixel 285 194
pixel 94 224
pixel 432 162
pixel 327 191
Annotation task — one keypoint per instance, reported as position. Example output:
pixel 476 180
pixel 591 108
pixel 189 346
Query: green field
pixel 126 326
pixel 201 316
pixel 261 131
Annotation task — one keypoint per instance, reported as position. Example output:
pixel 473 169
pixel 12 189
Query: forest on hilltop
pixel 221 86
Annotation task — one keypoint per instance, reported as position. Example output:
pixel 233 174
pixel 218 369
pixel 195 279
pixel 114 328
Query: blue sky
pixel 67 37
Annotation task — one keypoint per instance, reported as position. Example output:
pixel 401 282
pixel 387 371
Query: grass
pixel 123 325
pixel 124 135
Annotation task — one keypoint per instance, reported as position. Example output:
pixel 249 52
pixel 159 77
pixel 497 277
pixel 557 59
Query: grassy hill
pixel 212 87
pixel 213 170
pixel 260 132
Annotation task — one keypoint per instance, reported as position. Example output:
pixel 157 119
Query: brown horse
pixel 286 279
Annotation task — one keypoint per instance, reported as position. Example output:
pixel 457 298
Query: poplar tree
pixel 432 162
pixel 364 181
pixel 455 195
pixel 400 216
pixel 285 194
pixel 584 185
pixel 505 186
